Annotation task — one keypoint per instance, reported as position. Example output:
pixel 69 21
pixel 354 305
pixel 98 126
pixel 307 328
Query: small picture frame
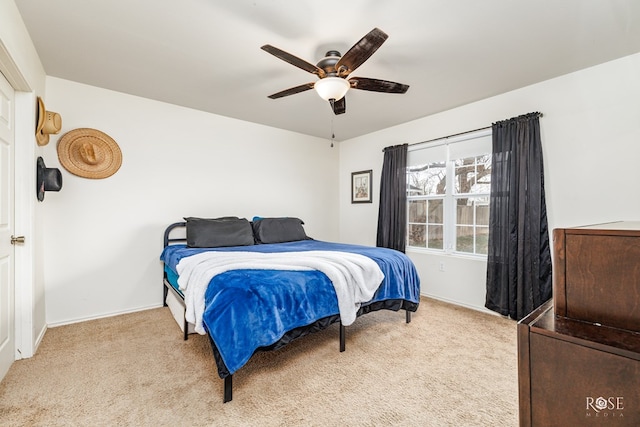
pixel 361 187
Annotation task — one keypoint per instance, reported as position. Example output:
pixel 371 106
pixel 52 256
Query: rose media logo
pixel 605 407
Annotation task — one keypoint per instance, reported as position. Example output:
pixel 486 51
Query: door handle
pixel 17 239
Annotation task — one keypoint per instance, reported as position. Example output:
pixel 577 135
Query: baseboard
pixel 104 315
pixel 461 304
pixel 39 339
pixel 118 313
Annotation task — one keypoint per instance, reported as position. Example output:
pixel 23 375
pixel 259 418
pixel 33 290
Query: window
pixel 450 215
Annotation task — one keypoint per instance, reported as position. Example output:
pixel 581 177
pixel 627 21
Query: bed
pixel 258 285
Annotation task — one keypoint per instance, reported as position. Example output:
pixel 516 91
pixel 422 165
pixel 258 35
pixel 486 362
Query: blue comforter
pixel 249 309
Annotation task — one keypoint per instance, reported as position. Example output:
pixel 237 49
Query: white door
pixel 7 285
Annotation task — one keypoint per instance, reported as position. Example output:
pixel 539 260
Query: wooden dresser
pixel 579 354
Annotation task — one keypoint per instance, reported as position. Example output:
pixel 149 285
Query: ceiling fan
pixel 334 69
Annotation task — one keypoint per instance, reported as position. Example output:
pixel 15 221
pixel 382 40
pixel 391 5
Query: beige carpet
pixel 449 366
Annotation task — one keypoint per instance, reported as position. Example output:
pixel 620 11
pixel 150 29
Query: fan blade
pixel 376 85
pixel 292 91
pixel 339 106
pixel 360 52
pixel 293 60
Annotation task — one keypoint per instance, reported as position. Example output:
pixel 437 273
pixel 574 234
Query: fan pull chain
pixel 333 135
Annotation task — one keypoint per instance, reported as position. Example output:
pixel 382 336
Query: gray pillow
pixel 278 230
pixel 218 232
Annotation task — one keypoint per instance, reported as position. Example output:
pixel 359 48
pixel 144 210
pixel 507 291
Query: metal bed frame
pixel 321 324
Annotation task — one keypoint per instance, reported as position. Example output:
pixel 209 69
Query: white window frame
pixel 450 197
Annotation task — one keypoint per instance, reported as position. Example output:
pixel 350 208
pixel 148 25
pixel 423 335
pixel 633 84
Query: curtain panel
pixel 392 211
pixel 519 259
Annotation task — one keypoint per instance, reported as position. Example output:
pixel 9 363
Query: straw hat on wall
pixel 89 153
pixel 48 123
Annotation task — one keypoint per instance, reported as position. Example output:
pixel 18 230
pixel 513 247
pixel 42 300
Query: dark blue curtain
pixel 519 257
pixel 392 212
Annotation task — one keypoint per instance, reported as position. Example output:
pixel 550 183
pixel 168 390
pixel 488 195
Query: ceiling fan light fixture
pixel 332 88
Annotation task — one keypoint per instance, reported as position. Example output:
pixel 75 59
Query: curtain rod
pixel 444 137
pixel 451 136
pixel 456 134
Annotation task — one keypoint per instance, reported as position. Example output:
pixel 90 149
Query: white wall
pixel 104 237
pixel 591 144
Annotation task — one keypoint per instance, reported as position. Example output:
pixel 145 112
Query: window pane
pixel 418 211
pixel 482 240
pixel 482 211
pixel 465 174
pixel 464 239
pixel 436 211
pixel 417 235
pixel 483 177
pixel 436 237
pixel 464 211
pixel 473 175
pixel 426 180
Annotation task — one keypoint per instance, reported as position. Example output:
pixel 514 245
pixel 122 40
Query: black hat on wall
pixel 47 179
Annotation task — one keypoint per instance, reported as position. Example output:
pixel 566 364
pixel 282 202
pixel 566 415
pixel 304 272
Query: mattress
pixel 177 311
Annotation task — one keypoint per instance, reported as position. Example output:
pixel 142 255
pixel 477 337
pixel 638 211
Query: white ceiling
pixel 205 54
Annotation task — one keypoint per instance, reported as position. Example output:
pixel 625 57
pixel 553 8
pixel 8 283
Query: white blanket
pixel 355 277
